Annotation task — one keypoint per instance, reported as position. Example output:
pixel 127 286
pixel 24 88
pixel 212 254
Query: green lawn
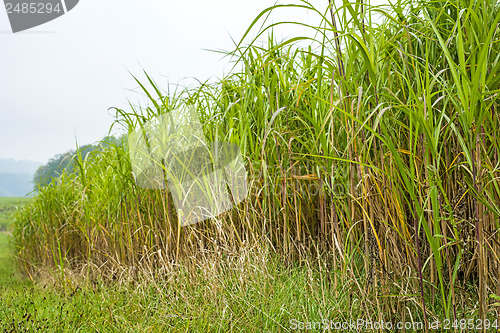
pixel 7 208
pixel 251 292
pixel 249 297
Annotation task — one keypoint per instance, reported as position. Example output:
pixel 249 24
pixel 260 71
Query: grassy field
pixel 253 292
pixel 8 206
pixel 374 181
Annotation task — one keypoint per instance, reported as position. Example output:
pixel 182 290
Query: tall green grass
pixel 373 153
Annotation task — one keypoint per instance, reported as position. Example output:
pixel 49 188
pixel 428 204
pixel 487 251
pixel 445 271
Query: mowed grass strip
pixel 374 151
pixel 251 294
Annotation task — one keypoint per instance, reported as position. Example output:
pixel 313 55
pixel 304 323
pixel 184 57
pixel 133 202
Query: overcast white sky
pixel 58 80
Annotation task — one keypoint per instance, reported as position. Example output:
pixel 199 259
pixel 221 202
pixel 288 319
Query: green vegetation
pixel 8 207
pixel 251 292
pixel 65 162
pixel 374 177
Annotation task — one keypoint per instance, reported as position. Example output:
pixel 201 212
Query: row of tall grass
pixel 372 153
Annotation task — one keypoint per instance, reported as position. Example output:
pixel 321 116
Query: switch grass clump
pixel 372 150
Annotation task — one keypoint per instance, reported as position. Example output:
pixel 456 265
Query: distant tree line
pixel 46 173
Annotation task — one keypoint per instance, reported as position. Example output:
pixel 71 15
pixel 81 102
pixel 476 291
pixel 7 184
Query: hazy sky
pixel 58 80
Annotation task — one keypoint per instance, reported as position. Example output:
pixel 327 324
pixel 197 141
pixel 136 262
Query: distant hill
pixel 16 177
pixel 66 161
pixel 9 165
pixel 15 184
pixel 3 192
